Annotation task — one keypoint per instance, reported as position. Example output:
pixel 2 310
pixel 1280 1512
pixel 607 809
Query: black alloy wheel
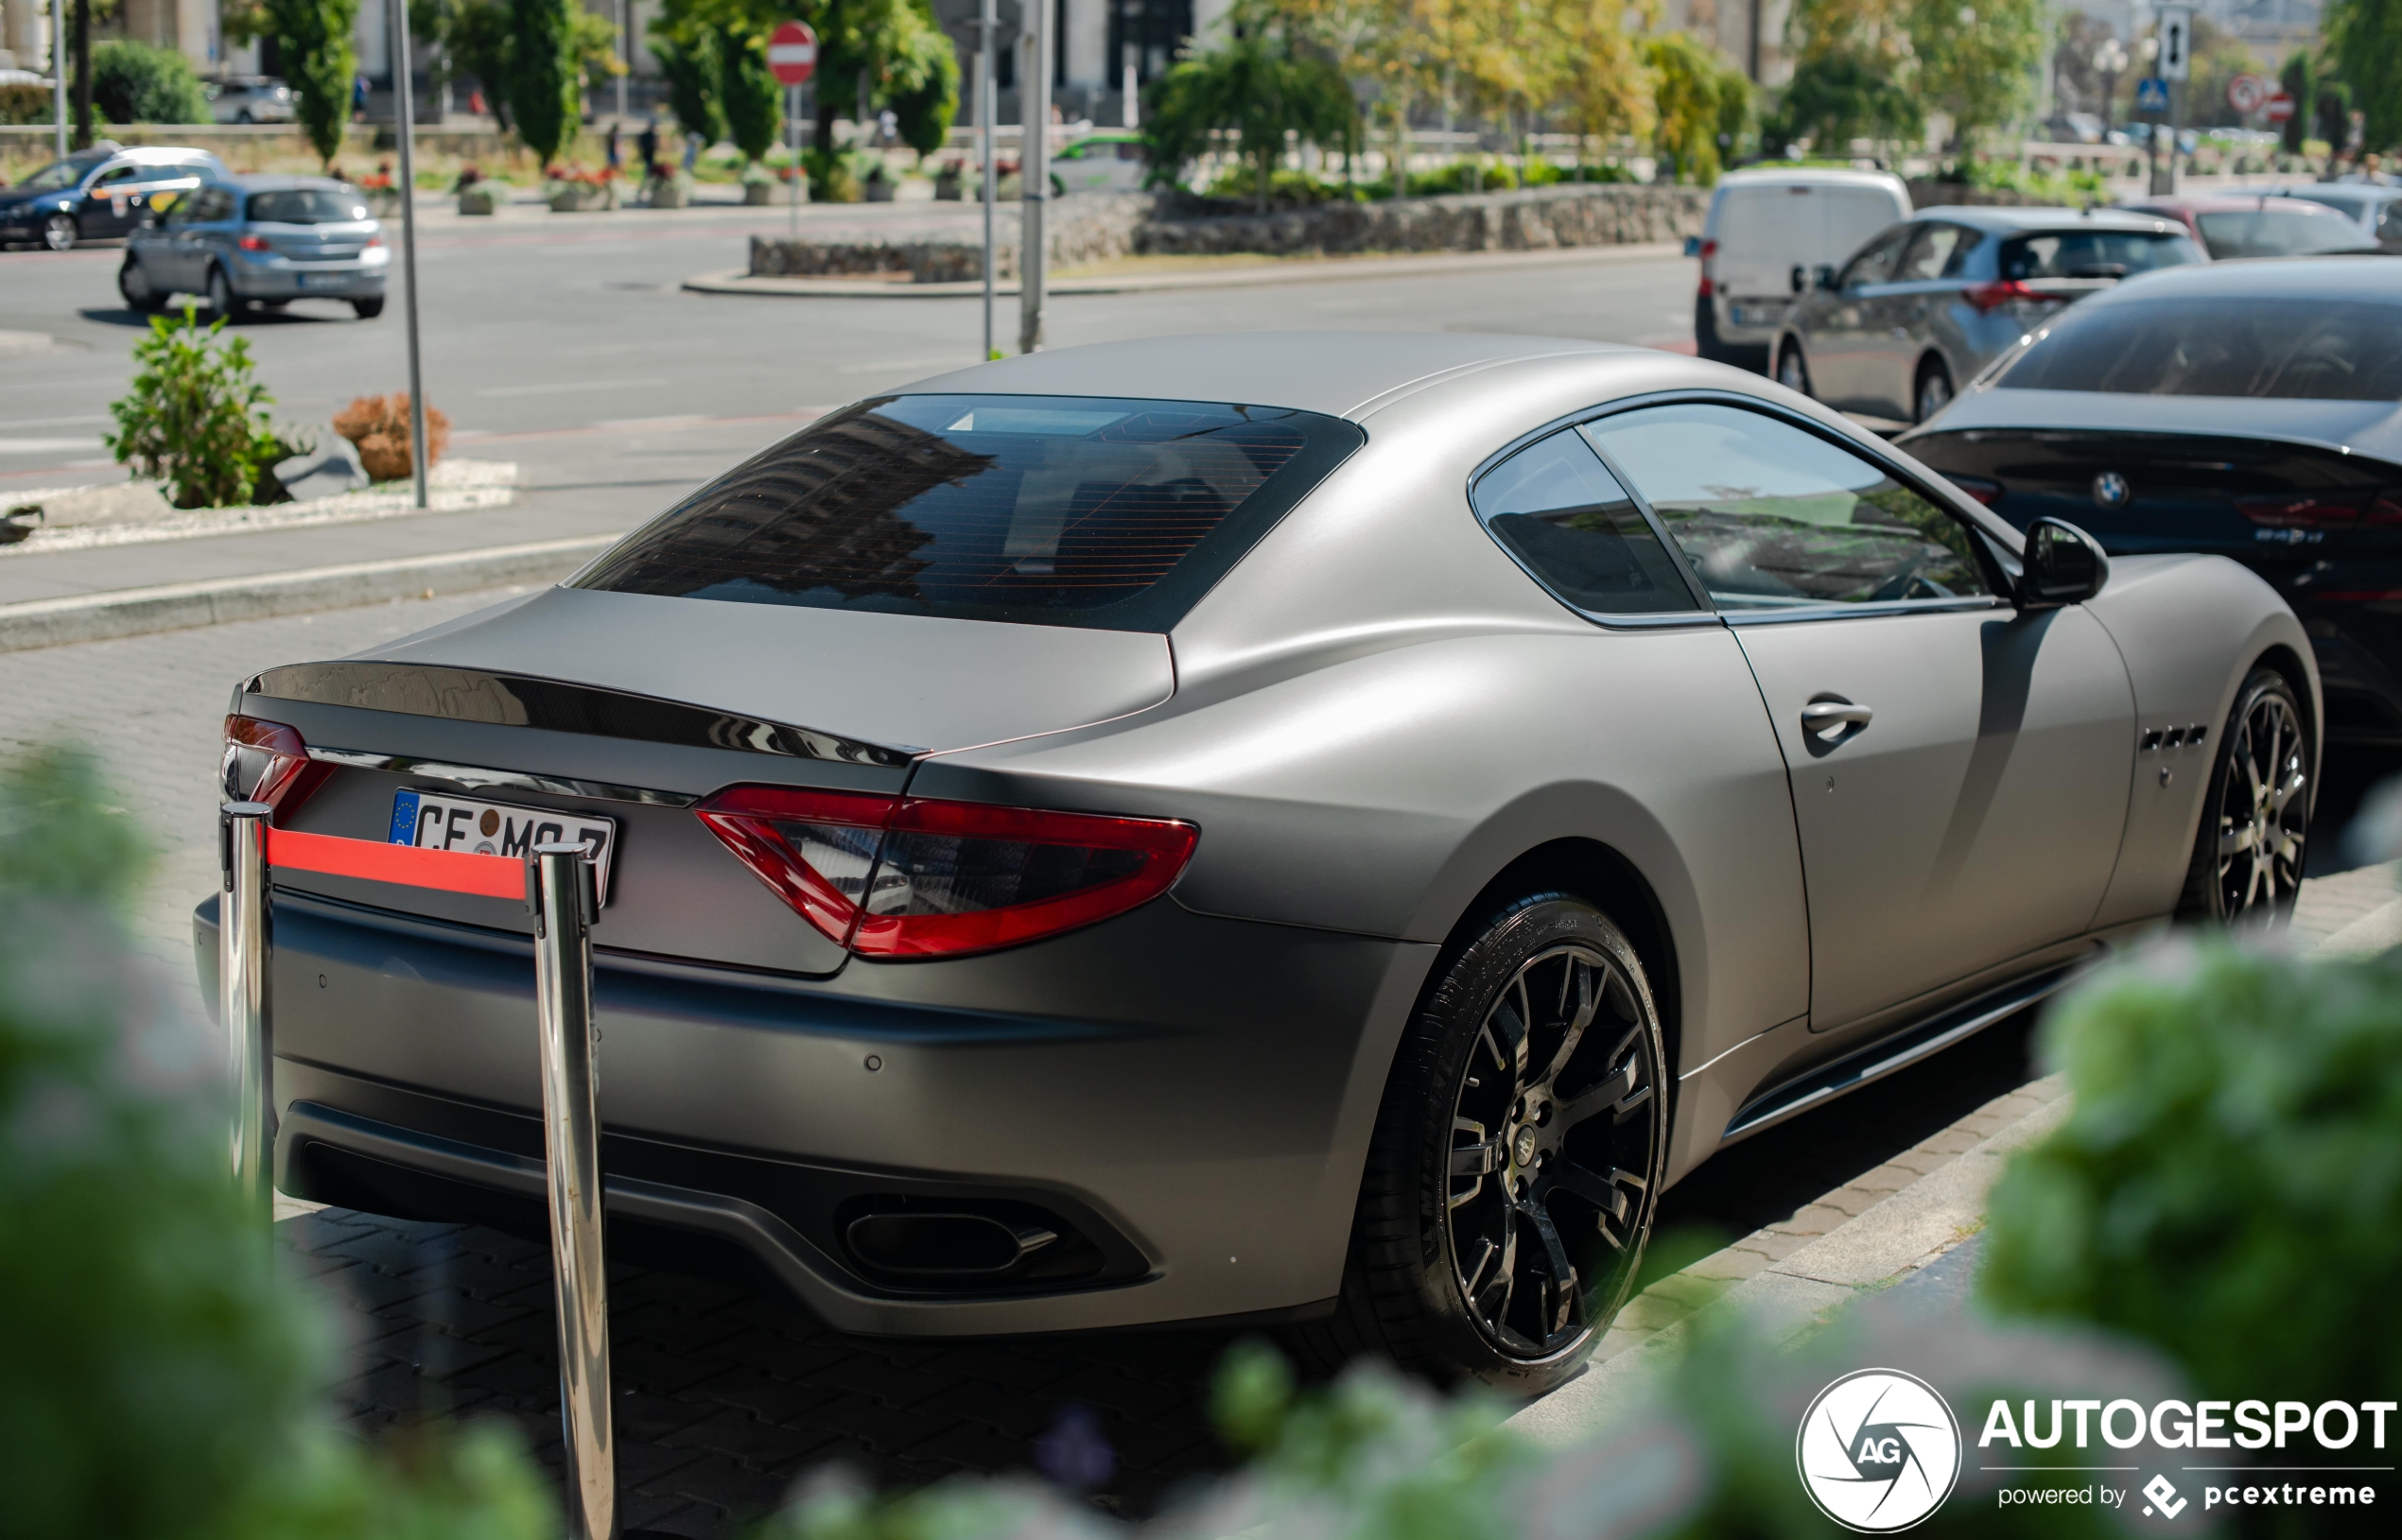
pixel 2255 823
pixel 1516 1161
pixel 134 284
pixel 58 232
pixel 1793 371
pixel 1934 389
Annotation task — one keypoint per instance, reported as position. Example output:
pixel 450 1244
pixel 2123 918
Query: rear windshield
pixel 2311 350
pixel 1049 510
pixel 2093 253
pixel 2268 233
pixel 306 206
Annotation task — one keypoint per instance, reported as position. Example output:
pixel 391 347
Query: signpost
pixel 2246 92
pixel 59 69
pixel 1033 173
pixel 792 58
pixel 2176 41
pixel 987 39
pixel 2279 108
pixel 404 96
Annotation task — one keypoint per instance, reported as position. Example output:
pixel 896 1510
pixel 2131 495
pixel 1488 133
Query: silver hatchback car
pixel 244 241
pixel 1933 300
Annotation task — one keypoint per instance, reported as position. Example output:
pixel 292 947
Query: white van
pixel 1764 227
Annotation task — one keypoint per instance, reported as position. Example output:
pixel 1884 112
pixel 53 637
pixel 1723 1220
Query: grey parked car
pixel 1924 307
pixel 2376 210
pixel 241 241
pixel 1321 829
pixel 249 98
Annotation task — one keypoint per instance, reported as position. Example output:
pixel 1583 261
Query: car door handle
pixel 1829 718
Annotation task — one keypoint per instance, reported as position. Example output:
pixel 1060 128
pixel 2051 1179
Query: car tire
pixel 368 310
pixel 227 305
pixel 1520 1148
pixel 134 284
pixel 2252 841
pixel 59 233
pixel 1793 371
pixel 1933 391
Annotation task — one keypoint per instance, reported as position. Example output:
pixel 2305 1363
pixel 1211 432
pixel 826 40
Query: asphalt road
pixel 564 342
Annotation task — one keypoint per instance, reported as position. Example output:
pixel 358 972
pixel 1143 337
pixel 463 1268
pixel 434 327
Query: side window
pixel 1774 518
pixel 115 175
pixel 1556 508
pixel 1875 264
pixel 1940 251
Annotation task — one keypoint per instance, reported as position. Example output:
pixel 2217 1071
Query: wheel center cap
pixel 1521 1148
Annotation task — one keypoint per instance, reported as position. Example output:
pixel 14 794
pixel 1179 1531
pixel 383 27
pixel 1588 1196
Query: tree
pixel 2300 81
pixel 690 65
pixel 545 78
pixel 1606 88
pixel 134 83
pixel 751 99
pixel 1692 99
pixel 1977 64
pixel 476 40
pixel 313 39
pixel 2364 39
pixel 1838 98
pixel 910 63
pixel 1259 86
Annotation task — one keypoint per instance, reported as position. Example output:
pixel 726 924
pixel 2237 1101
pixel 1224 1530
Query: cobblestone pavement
pixel 728 1393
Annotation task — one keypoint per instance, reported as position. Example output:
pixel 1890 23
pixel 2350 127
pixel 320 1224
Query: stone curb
pixel 1319 270
pixel 133 612
pixel 1793 1296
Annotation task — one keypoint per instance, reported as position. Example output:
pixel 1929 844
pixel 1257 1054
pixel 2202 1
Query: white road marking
pixel 44 447
pixel 56 422
pixel 568 388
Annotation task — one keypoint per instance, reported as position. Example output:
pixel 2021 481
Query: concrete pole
pixel 1033 171
pixel 405 98
pixel 59 69
pixel 625 48
pixel 987 39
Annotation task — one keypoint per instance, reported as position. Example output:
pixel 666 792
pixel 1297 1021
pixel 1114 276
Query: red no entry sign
pixel 2279 107
pixel 791 53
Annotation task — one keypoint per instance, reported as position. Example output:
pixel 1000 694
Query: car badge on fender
pixel 2111 490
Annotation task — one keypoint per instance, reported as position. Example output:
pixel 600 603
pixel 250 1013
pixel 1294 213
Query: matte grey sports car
pixel 1314 829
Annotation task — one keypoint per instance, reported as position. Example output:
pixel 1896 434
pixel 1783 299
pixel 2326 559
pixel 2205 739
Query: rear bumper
pixel 1190 1098
pixel 280 280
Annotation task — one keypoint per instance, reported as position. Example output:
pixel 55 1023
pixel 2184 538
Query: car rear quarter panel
pixel 1377 712
pixel 2191 629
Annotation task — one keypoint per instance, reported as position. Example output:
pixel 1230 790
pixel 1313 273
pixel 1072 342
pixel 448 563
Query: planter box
pixel 759 194
pixel 879 189
pixel 583 196
pixel 947 186
pixel 665 193
pixel 484 197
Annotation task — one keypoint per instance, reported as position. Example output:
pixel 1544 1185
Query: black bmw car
pixel 2249 409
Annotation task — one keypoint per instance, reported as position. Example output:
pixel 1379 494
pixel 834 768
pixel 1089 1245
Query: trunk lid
pixel 633 707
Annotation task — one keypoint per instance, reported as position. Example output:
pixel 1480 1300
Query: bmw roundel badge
pixel 2111 490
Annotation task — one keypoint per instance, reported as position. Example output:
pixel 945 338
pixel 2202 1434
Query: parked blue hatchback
pixel 245 241
pixel 99 193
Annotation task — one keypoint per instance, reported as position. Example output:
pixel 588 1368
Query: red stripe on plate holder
pixel 451 871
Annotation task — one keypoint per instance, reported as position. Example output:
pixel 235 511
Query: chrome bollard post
pixel 565 901
pixel 242 992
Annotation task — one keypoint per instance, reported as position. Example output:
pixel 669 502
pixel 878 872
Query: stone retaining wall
pixel 1098 227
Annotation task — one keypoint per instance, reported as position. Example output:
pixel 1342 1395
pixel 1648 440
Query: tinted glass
pixel 2311 350
pixel 1772 517
pixel 1940 251
pixel 1049 510
pixel 306 206
pixel 1875 265
pixel 1556 508
pixel 2094 253
pixel 58 173
pixel 2273 231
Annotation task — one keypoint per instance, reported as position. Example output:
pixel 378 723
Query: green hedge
pixel 134 83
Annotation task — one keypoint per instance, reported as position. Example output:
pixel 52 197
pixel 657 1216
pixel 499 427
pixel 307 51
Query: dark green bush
pixel 193 418
pixel 24 103
pixel 134 83
pixel 2229 1182
pixel 160 1375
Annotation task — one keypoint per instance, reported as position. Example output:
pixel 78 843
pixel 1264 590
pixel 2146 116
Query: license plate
pixel 432 821
pixel 324 280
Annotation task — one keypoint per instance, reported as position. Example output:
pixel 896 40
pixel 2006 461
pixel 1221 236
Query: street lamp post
pixel 59 70
pixel 1033 171
pixel 988 37
pixel 404 95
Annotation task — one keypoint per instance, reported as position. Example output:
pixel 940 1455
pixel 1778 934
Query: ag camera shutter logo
pixel 1878 1450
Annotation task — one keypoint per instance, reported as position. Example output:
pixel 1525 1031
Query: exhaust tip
pixel 931 1246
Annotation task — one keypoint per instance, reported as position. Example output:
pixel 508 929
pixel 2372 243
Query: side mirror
pixel 2063 565
pixel 1823 275
pixel 1693 245
pixel 1801 278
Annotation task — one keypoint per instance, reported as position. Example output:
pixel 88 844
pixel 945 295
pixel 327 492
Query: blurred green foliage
pixel 195 417
pixel 161 1378
pixel 2228 1185
pixel 134 83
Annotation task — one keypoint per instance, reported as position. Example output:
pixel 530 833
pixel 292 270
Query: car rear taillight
pixel 1989 298
pixel 254 243
pixel 269 762
pixel 2301 510
pixel 1988 492
pixel 917 877
pixel 1708 250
